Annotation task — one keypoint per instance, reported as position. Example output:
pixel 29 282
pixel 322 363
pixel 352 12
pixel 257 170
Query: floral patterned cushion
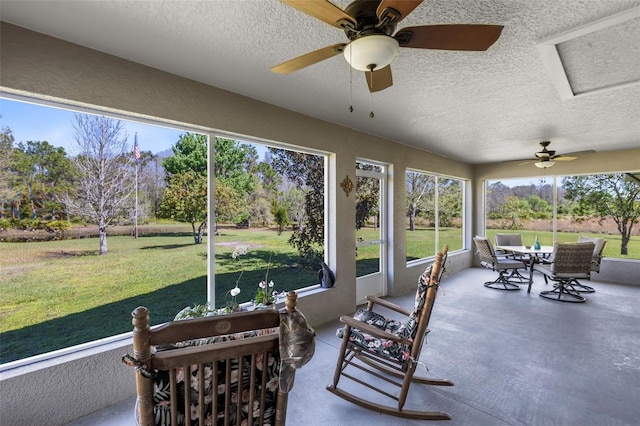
pixel 161 391
pixel 407 329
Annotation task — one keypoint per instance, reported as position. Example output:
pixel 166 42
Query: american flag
pixel 136 148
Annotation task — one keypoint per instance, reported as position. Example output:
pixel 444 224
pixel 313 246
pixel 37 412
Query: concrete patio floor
pixel 514 359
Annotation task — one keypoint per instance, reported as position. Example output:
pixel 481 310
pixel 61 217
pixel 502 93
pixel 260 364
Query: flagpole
pixel 136 154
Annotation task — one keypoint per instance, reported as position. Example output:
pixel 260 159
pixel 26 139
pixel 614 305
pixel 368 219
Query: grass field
pixel 55 294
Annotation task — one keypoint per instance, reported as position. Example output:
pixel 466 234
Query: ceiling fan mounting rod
pixel 367 22
pixel 389 15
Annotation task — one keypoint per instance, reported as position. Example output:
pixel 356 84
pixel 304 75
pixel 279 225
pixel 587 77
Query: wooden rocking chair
pixel 226 369
pixel 388 349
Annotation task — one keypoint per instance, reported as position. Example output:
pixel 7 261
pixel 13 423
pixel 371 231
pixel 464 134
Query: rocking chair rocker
pixel 388 349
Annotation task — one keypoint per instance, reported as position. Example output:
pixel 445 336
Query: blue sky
pixel 31 122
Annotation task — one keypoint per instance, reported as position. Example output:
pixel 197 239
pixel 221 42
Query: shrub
pixel 57 225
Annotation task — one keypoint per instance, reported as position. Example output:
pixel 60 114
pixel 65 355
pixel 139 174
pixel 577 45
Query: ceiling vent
pixel 597 57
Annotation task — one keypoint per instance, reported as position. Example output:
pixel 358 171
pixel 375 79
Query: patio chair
pixel 508 239
pixel 511 240
pixel 571 261
pixel 375 347
pixel 500 264
pixel 225 369
pixel 600 244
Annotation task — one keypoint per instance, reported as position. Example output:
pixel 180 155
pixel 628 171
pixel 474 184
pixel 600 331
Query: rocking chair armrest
pixel 385 303
pixel 374 331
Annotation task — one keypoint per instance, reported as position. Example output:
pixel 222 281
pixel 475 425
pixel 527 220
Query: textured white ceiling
pixel 476 107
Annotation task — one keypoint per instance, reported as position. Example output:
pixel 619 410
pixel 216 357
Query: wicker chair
pixel 571 261
pixel 227 369
pixel 600 244
pixel 512 240
pixel 508 239
pixel 500 264
pixel 377 347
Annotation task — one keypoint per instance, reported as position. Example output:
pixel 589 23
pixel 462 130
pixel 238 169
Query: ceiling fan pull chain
pixel 371 115
pixel 350 85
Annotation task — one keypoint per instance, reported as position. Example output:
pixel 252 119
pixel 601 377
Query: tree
pixel 105 179
pixel 266 183
pixel 185 199
pixel 230 166
pixel 294 199
pixel 497 194
pixel 306 172
pixel 189 153
pixel 367 196
pixel 44 173
pixel 607 195
pixel 418 188
pixel 449 201
pixel 6 169
pixel 152 182
pixel 228 203
pixel 514 210
pixel 280 215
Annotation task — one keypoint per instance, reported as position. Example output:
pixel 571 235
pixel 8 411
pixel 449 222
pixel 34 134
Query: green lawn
pixel 422 241
pixel 56 294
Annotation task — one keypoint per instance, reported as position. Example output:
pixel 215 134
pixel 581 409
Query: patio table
pixel 534 256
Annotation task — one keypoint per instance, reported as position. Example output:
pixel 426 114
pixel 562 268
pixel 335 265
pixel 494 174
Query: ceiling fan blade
pixel 468 37
pixel 310 58
pixel 402 7
pixel 570 156
pixel 323 10
pixel 380 79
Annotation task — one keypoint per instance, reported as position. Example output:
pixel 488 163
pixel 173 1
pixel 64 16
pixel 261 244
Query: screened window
pixel 434 214
pixel 155 231
pixel 563 208
pixel 269 221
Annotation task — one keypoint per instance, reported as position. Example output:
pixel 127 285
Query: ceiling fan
pixel 370 25
pixel 547 157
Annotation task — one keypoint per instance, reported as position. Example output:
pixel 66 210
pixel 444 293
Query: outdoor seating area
pixel 501 351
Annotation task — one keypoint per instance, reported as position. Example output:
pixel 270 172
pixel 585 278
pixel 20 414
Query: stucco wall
pixel 68 387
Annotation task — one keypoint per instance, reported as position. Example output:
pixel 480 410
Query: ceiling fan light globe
pixel 378 50
pixel 544 164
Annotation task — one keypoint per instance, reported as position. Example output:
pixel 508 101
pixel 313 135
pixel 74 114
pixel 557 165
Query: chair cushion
pixel 406 329
pixel 508 239
pixel 599 242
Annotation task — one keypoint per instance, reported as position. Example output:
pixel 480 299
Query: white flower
pixel 271 283
pixel 235 291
